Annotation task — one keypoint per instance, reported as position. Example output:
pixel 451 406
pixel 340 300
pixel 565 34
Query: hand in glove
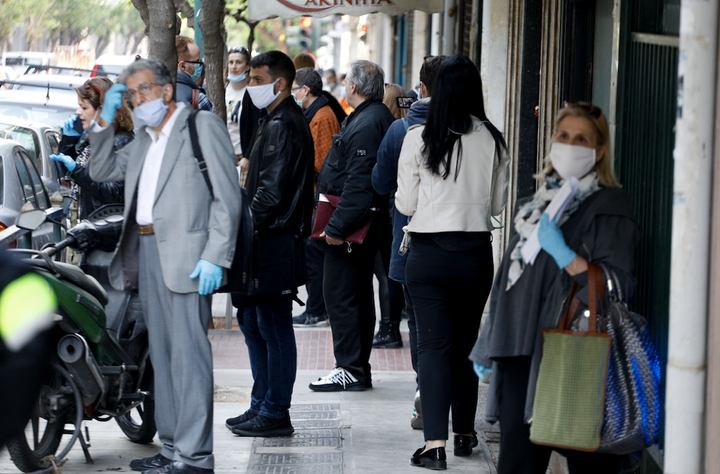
pixel 482 372
pixel 68 128
pixel 210 276
pixel 552 241
pixel 113 101
pixel 66 160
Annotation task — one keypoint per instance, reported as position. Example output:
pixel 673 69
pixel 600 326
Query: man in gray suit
pixel 176 240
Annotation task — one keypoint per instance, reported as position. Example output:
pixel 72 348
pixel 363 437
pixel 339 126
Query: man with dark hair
pixel 189 70
pixel 279 183
pixel 308 92
pixel 384 180
pixel 346 173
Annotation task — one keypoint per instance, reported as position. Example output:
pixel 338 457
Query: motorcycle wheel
pixel 32 450
pixel 139 423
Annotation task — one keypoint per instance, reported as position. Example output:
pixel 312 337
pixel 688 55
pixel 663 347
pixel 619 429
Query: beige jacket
pixel 447 205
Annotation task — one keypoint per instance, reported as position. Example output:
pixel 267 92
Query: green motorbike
pixel 101 368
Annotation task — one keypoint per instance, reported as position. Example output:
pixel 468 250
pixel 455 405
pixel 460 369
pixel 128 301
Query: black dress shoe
pixel 262 426
pixel 239 420
pixel 465 444
pixel 153 462
pixel 179 467
pixel 434 459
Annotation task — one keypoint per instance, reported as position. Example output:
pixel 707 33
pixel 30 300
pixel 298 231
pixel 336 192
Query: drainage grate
pixel 314 447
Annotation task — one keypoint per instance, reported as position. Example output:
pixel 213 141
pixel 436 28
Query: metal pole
pixel 448 42
pixel 686 371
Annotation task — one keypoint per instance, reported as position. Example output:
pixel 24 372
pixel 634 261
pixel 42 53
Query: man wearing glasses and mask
pixel 189 70
pixel 177 237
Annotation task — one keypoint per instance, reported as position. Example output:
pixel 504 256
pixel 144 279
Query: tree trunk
pixel 162 33
pixel 210 21
pixel 102 43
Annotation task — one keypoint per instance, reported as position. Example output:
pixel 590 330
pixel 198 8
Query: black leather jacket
pixel 280 177
pixel 347 170
pixel 92 194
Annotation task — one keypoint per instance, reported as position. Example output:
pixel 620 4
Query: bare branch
pixel 142 8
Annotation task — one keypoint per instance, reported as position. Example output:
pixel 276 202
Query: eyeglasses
pixel 296 88
pixel 591 109
pixel 199 61
pixel 238 49
pixel 143 89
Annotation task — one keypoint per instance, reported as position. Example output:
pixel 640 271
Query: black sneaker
pixel 262 426
pixel 239 420
pixel 153 462
pixel 338 380
pixel 306 320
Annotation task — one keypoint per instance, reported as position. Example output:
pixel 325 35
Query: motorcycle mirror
pixel 31 220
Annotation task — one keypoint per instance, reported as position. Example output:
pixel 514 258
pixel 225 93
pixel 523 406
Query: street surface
pixel 335 433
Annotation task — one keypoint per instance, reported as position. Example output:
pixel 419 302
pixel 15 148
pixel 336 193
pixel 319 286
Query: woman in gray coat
pixel 598 226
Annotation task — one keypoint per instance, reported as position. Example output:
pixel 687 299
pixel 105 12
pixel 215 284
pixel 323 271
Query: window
pixel 40 194
pixel 53 140
pixel 27 138
pixel 28 189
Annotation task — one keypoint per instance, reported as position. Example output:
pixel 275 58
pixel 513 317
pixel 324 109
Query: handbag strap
pixel 197 151
pixel 596 290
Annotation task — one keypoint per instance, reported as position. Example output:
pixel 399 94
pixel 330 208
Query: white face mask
pixel 572 160
pixel 151 113
pixel 263 96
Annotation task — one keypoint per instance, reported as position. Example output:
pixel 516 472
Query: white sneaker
pixel 337 380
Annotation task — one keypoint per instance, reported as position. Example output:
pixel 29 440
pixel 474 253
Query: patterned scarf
pixel 529 215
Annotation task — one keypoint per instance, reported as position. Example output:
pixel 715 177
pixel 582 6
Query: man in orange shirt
pixel 307 90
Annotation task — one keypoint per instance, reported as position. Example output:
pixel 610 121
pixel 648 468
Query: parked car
pixel 21 189
pixel 59 84
pixel 111 64
pixel 20 60
pixel 37 107
pixel 40 141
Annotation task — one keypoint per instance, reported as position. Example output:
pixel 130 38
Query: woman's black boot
pixel 465 444
pixel 434 459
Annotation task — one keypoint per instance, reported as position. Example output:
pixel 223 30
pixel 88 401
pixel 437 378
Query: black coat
pixel 280 177
pixel 347 170
pixel 92 194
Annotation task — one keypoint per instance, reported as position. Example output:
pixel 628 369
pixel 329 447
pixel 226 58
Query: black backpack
pixel 240 277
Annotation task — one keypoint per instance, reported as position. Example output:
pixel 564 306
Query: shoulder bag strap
pixel 197 151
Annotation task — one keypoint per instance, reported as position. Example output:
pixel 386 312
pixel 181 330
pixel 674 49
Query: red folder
pixel 326 206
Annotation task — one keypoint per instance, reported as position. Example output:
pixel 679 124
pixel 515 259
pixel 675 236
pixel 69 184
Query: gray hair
pixel 369 79
pixel 157 68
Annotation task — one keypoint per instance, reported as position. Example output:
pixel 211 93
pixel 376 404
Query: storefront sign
pixel 261 9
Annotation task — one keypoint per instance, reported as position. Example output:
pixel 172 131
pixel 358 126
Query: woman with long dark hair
pixel 452 177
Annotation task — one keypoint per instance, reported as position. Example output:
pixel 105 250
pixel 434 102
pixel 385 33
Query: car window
pixel 50 115
pixel 27 138
pixel 40 193
pixel 25 181
pixel 2 181
pixel 53 140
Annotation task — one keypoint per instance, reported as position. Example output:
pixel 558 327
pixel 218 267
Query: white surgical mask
pixel 263 96
pixel 150 113
pixel 572 160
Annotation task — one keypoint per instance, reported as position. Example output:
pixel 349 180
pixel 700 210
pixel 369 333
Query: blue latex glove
pixel 113 101
pixel 210 276
pixel 66 160
pixel 552 241
pixel 68 128
pixel 482 372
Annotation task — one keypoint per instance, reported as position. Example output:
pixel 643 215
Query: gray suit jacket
pixel 189 224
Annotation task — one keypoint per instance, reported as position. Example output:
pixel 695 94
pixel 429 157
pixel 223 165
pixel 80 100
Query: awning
pixel 262 9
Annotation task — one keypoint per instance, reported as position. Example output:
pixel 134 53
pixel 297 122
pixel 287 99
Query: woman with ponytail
pixel 452 178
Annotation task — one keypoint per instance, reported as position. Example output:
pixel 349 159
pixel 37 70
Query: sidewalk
pixel 335 433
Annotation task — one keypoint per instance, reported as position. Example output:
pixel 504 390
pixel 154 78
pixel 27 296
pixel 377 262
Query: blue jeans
pixel 270 340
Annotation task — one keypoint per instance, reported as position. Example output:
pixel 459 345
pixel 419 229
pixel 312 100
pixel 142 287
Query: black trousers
pixel 448 292
pixel 350 304
pixel 518 455
pixel 412 330
pixel 315 263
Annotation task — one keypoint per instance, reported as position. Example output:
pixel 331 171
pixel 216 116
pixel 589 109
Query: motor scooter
pixel 101 368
